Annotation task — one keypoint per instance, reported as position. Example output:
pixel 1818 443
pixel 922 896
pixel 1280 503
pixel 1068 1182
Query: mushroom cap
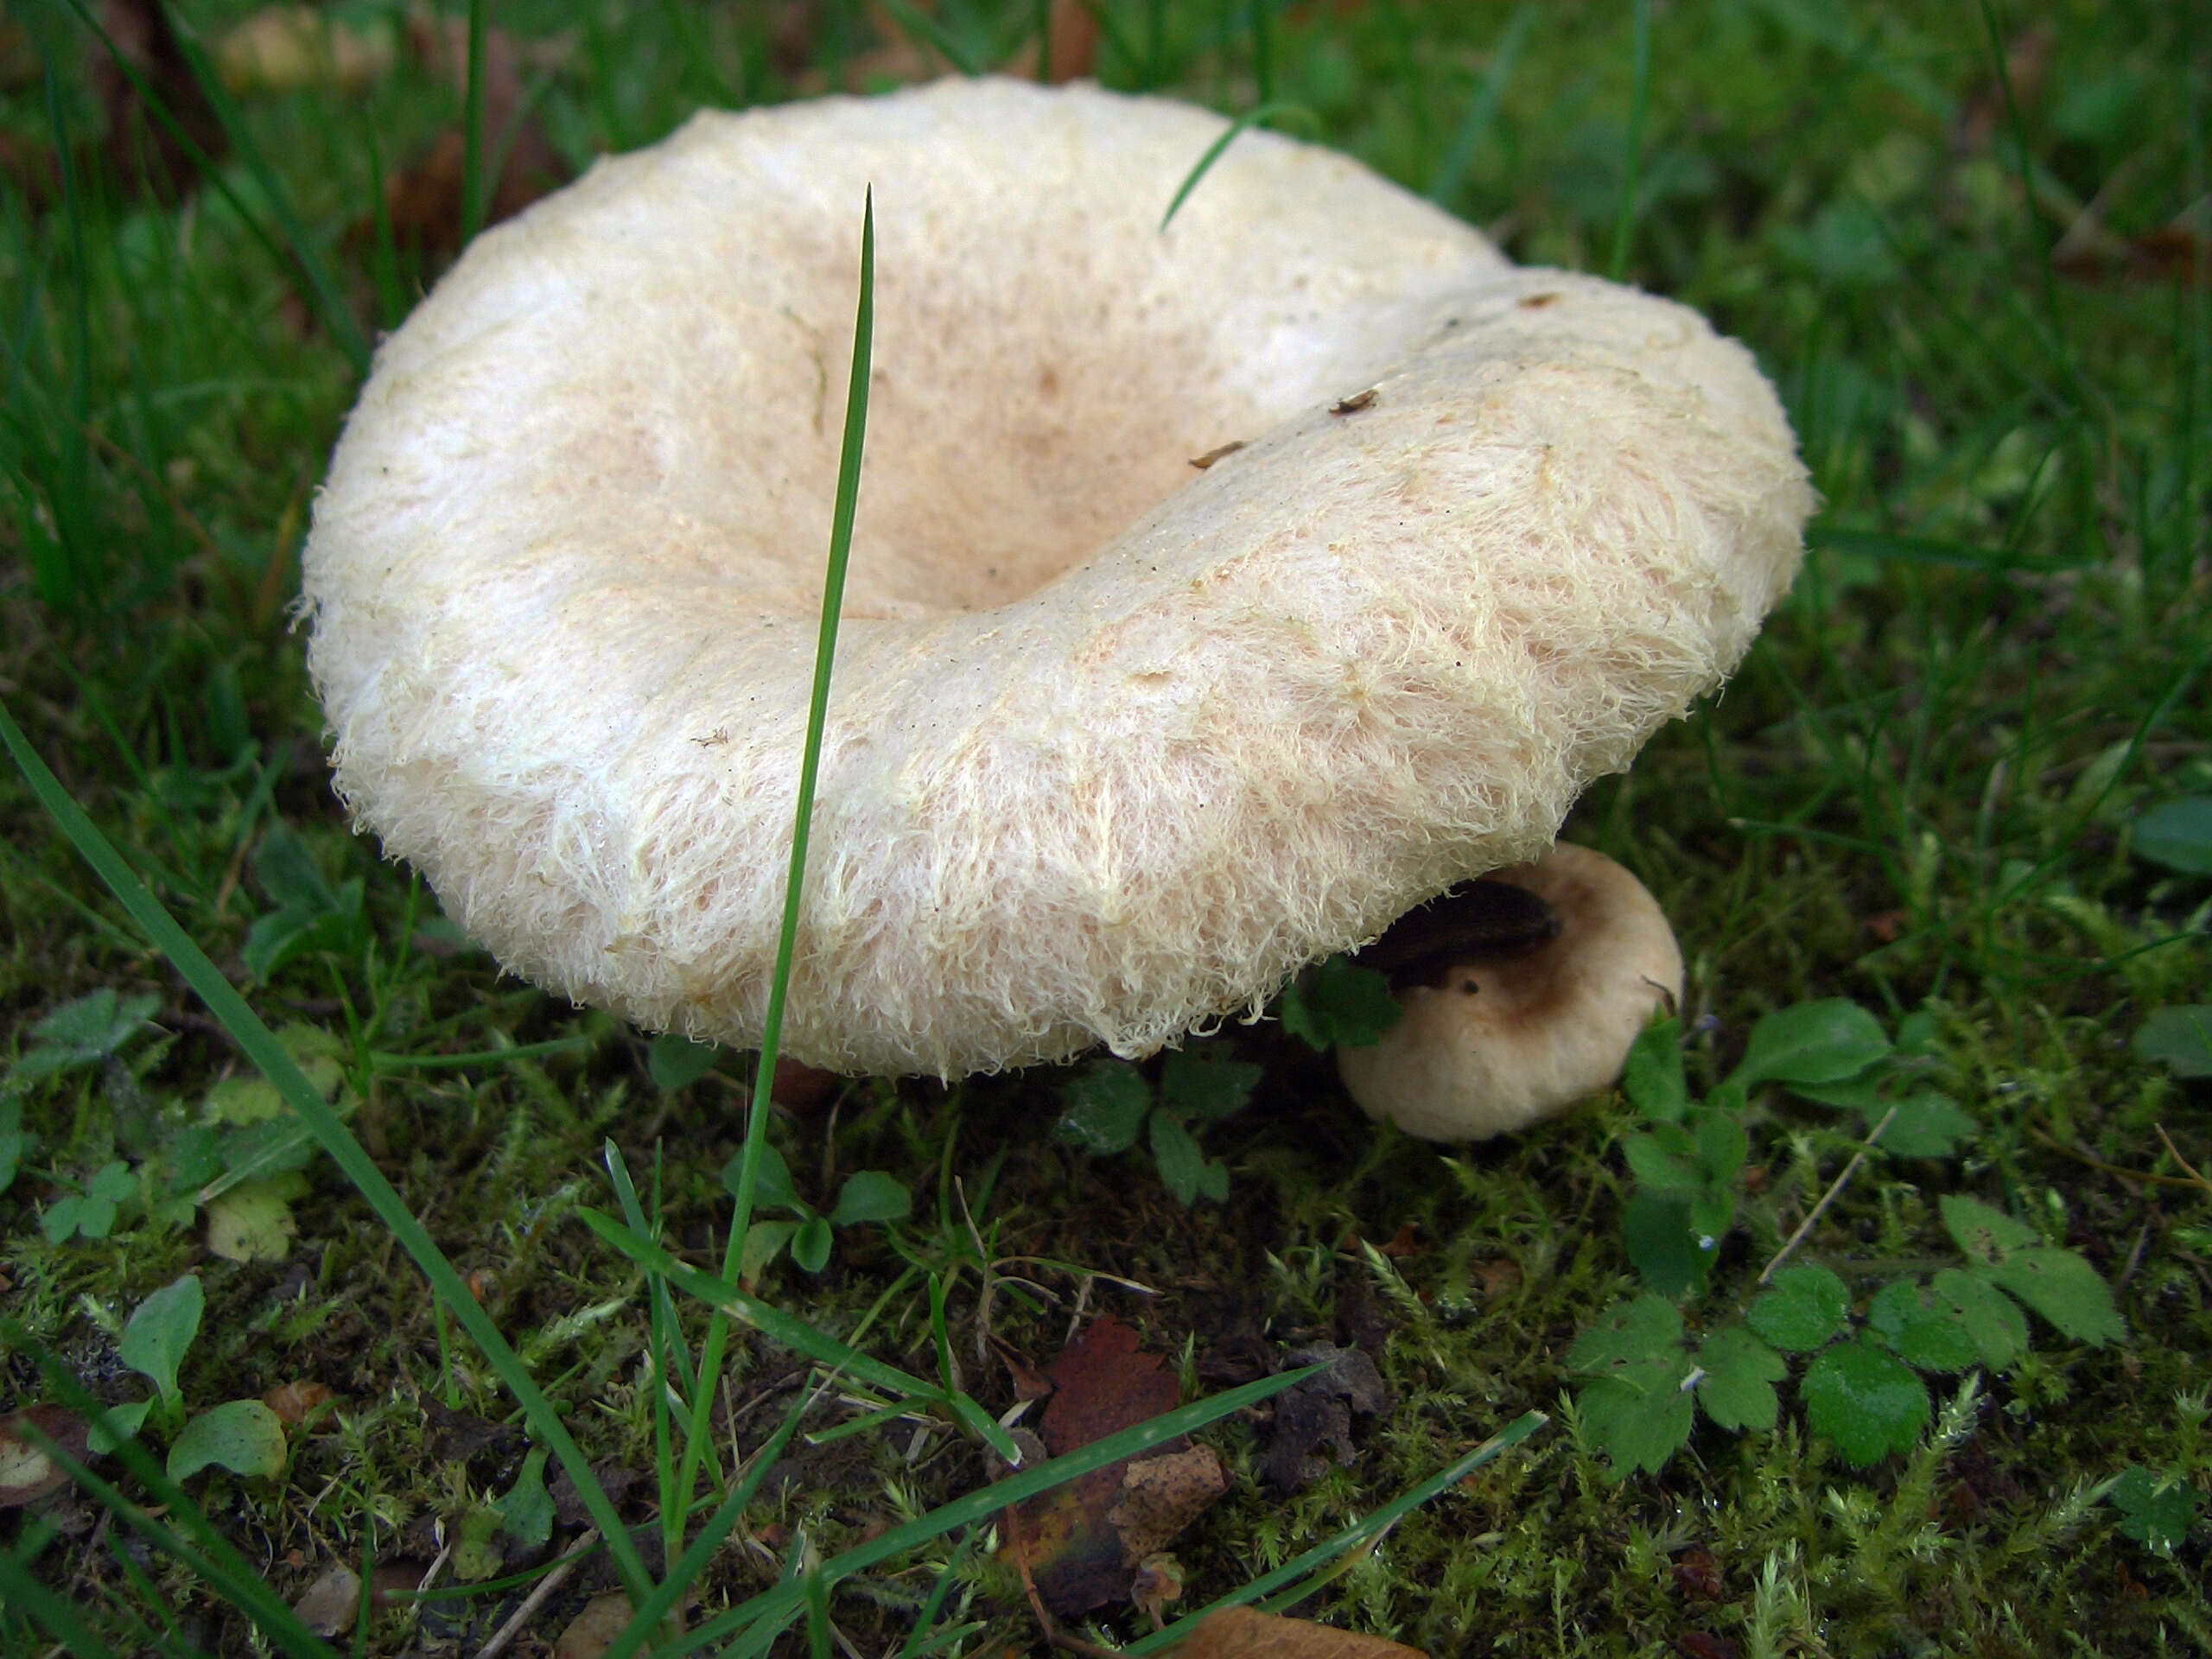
pixel 1114 745
pixel 1500 1043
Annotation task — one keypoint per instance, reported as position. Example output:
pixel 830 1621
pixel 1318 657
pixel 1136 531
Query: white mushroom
pixel 1116 745
pixel 1510 1019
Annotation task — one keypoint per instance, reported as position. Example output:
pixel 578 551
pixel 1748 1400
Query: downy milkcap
pixel 1506 1025
pixel 1115 743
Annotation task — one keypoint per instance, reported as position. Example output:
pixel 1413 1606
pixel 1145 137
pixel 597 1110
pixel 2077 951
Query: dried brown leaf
pixel 27 1471
pixel 1081 1542
pixel 592 1631
pixel 1241 1633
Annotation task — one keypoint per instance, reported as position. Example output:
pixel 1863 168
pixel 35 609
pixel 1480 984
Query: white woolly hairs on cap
pixel 1114 745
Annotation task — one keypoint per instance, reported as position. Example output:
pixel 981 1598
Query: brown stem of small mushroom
pixel 1829 1196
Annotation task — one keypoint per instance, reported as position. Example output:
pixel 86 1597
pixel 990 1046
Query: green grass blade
pixel 60 1616
pixel 322 294
pixel 473 192
pixel 694 1560
pixel 1360 1532
pixel 1632 162
pixel 261 1046
pixel 926 30
pixel 846 506
pixel 1452 171
pixel 1928 550
pixel 1251 117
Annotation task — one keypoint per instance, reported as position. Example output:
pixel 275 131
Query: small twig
pixel 2192 1180
pixel 2197 1177
pixel 1829 1196
pixel 505 1636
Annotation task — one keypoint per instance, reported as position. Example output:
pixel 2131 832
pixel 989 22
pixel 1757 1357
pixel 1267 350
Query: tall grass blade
pixel 926 30
pixel 1632 162
pixel 825 653
pixel 473 193
pixel 1251 117
pixel 322 294
pixel 260 1045
pixel 1452 171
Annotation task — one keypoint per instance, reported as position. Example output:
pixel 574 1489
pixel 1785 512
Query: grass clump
pixel 1953 792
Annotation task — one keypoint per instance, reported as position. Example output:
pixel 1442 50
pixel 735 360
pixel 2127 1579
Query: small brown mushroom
pixel 1522 994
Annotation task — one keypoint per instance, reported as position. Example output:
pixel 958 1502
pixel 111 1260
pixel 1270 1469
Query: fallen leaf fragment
pixel 296 48
pixel 253 1222
pixel 27 1471
pixel 1080 1543
pixel 591 1632
pixel 293 1402
pixel 332 1603
pixel 1241 1633
pixel 1313 1418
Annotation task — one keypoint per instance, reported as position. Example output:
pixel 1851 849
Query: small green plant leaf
pixel 16 1140
pixel 310 914
pixel 1737 1391
pixel 1983 1233
pixel 1722 1146
pixel 92 1213
pixel 1928 1125
pixel 1865 1400
pixel 2177 834
pixel 1336 1001
pixel 870 1195
pixel 1812 1042
pixel 1656 1231
pixel 243 1436
pixel 673 1061
pixel 1807 1308
pixel 1626 1334
pixel 772 1182
pixel 159 1331
pixel 94 1027
pixel 2180 1038
pixel 2054 1282
pixel 2062 1287
pixel 475 1544
pixel 1661 1161
pixel 764 1242
pixel 1653 1080
pixel 1105 1106
pixel 2156 1510
pixel 124 1419
pixel 526 1512
pixel 252 1221
pixel 1206 1082
pixel 1909 1318
pixel 1213 1181
pixel 1181 1163
pixel 810 1244
pixel 1991 1321
pixel 1639 1415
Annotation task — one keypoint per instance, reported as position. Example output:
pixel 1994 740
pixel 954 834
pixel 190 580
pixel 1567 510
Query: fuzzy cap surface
pixel 1115 743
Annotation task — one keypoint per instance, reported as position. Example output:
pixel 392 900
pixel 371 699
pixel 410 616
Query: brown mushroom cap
pixel 1499 1042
